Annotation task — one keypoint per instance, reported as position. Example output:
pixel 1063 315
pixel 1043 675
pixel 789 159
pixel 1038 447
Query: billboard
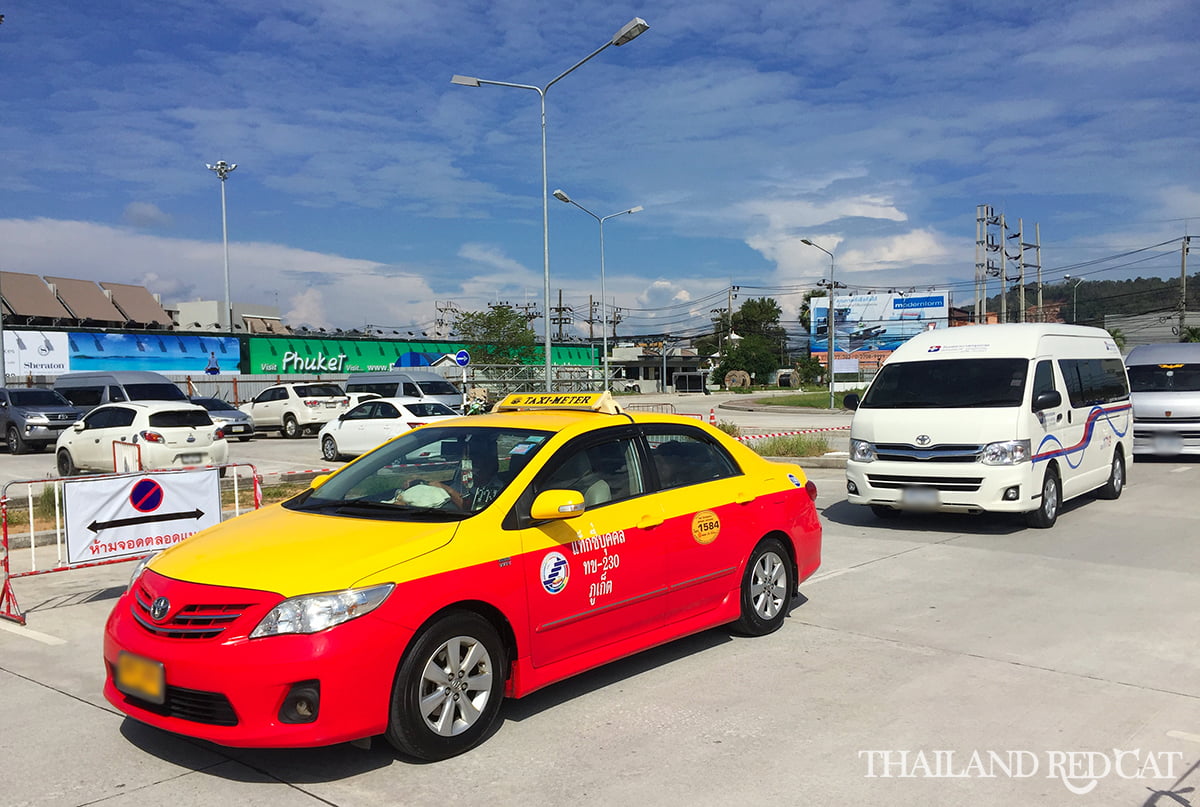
pixel 30 352
pixel 869 323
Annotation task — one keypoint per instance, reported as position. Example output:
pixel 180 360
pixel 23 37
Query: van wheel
pixel 1116 478
pixel 15 444
pixel 449 688
pixel 291 429
pixel 1044 517
pixel 66 466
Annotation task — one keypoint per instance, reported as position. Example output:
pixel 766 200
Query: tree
pixel 498 335
pixel 1191 333
pixel 755 354
pixel 1117 336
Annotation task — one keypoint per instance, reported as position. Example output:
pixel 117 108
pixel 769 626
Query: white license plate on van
pixel 920 497
pixel 1168 444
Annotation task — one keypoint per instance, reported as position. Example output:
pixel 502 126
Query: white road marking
pixel 29 633
pixel 1183 735
pixel 827 575
pixel 1180 470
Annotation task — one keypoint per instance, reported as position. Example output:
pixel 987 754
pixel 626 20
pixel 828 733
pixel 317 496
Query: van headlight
pixel 316 612
pixel 862 451
pixel 1011 452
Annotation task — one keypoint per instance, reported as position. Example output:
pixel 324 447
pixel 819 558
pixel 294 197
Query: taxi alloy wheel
pixel 449 688
pixel 766 589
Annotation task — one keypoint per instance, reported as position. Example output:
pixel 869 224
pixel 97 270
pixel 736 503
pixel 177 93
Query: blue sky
pixel 369 187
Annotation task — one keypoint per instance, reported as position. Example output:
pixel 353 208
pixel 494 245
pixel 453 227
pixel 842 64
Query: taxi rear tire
pixel 449 688
pixel 767 587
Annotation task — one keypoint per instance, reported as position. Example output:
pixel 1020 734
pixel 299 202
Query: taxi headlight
pixel 316 612
pixel 140 567
pixel 1011 452
pixel 862 451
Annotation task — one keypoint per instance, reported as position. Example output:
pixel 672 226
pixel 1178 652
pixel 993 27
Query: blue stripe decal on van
pixel 1094 416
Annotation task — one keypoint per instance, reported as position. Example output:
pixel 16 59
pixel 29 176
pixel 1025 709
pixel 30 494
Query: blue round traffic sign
pixel 146 496
pixel 462 358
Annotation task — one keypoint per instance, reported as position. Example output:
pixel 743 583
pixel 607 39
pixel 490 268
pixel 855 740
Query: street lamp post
pixel 631 30
pixel 562 197
pixel 831 320
pixel 223 169
pixel 1074 292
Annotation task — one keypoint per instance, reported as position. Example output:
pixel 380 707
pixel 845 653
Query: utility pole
pixel 1020 236
pixel 1003 273
pixel 591 317
pixel 560 317
pixel 1037 235
pixel 1183 288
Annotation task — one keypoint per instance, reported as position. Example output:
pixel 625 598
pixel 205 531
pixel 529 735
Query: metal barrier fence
pixel 53 486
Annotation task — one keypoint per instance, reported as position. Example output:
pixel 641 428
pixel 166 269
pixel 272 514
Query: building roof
pixel 28 297
pixel 85 300
pixel 138 304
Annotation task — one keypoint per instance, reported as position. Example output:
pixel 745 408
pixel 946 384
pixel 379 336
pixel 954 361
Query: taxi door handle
pixel 743 497
pixel 649 521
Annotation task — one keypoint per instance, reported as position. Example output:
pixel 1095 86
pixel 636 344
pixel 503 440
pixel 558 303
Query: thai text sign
pixel 133 514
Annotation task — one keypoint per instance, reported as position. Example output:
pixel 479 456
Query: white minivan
pixel 992 418
pixel 1165 380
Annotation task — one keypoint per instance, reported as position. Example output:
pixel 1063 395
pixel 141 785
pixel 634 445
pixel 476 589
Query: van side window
pixel 410 389
pixel 1094 381
pixel 1043 378
pixel 83 396
pixel 115 394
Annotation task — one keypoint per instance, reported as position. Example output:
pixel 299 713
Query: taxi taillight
pixel 412 424
pixel 152 437
pixel 811 487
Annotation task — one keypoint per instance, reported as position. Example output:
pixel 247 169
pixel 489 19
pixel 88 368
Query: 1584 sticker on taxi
pixel 706 526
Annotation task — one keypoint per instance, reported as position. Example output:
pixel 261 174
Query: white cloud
pixel 145 214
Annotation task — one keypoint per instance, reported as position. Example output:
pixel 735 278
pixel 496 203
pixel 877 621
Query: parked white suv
pixel 296 408
pixel 168 434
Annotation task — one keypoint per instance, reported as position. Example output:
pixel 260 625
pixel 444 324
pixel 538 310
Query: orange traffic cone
pixel 712 417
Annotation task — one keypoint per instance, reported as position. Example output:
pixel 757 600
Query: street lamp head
pixel 561 196
pixel 637 209
pixel 466 81
pixel 806 241
pixel 630 31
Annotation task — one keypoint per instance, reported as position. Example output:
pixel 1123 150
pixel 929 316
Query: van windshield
pixel 437 388
pixel 948 384
pixel 1164 378
pixel 154 392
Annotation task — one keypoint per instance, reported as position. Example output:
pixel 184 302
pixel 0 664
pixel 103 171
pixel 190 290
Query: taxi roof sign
pixel 585 401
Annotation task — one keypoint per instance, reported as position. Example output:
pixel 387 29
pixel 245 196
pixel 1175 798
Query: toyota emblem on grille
pixel 923 439
pixel 160 608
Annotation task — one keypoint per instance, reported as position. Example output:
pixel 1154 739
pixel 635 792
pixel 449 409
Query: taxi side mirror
pixel 78 426
pixel 318 480
pixel 557 504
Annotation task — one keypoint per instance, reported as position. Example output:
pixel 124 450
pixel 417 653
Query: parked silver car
pixel 31 419
pixel 233 421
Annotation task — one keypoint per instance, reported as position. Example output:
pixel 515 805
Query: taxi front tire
pixel 66 466
pixel 767 589
pixel 449 688
pixel 329 449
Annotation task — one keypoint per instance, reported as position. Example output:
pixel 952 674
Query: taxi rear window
pixel 189 417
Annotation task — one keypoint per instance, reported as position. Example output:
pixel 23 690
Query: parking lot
pixel 933 660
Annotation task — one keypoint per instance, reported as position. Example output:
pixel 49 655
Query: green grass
pixel 792 445
pixel 811 400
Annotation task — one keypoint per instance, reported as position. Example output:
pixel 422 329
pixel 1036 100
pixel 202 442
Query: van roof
pixel 1168 353
pixel 1013 339
pixel 388 375
pixel 120 376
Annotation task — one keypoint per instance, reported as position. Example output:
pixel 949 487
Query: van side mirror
pixel 851 401
pixel 1047 400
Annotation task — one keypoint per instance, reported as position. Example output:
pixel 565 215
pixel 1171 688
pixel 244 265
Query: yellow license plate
pixel 141 677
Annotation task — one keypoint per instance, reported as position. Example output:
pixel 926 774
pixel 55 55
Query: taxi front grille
pixel 904 452
pixel 192 621
pixel 947 483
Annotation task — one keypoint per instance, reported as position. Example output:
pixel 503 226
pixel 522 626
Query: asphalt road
pixel 1066 654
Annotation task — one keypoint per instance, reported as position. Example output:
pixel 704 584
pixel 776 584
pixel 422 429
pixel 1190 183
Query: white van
pixel 422 384
pixel 1165 381
pixel 992 418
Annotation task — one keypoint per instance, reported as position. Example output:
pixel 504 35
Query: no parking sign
pixel 133 514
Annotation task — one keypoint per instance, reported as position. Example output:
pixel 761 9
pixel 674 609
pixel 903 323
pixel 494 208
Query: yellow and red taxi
pixel 460 563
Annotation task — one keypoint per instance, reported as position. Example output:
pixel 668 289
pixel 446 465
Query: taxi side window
pixel 682 459
pixel 363 412
pixel 602 473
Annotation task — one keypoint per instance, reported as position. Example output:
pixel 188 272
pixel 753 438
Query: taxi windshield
pixel 449 472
